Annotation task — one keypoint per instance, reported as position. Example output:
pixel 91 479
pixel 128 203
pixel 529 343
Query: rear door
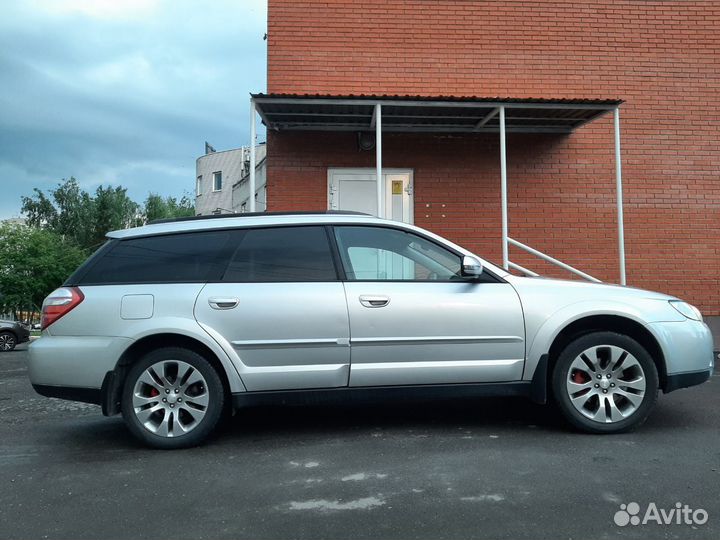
pixel 281 306
pixel 415 320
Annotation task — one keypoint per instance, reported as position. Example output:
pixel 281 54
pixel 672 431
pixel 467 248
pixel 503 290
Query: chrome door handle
pixel 372 301
pixel 223 303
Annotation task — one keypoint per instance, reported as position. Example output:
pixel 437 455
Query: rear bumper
pixel 86 395
pixel 73 362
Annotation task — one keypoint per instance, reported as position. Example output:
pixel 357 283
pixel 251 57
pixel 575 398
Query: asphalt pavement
pixel 490 468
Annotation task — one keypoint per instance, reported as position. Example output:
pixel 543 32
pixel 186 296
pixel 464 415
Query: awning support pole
pixel 619 189
pixel 503 190
pixel 378 158
pixel 253 136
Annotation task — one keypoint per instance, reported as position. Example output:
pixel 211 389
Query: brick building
pixel 660 58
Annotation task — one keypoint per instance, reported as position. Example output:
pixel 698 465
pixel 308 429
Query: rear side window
pixel 282 254
pixel 177 258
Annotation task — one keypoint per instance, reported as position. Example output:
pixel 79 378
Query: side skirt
pixel 535 390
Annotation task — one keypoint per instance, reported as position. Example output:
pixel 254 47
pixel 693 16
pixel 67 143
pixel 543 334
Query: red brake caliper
pixel 578 377
pixel 154 392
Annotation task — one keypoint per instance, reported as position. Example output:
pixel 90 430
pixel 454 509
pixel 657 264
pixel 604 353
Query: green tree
pixel 78 217
pixel 113 210
pixel 157 207
pixel 33 262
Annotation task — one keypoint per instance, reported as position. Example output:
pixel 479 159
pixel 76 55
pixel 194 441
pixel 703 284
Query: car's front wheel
pixel 172 398
pixel 7 341
pixel 605 382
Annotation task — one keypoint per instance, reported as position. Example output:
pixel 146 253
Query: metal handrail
pixel 522 269
pixel 549 259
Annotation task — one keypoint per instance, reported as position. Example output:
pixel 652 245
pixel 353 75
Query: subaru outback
pixel 176 323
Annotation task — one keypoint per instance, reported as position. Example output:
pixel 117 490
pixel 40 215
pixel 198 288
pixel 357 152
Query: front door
pixel 356 190
pixel 415 320
pixel 282 309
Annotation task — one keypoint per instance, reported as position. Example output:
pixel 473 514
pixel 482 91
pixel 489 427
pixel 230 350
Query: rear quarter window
pixel 176 258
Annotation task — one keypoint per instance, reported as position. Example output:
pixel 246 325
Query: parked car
pixel 174 323
pixel 12 333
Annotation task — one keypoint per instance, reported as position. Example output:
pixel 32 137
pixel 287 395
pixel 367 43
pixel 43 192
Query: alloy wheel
pixel 170 398
pixel 7 342
pixel 606 384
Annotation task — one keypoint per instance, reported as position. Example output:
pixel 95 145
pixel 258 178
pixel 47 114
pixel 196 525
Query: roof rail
pixel 256 214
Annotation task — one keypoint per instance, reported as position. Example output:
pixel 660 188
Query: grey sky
pixel 123 91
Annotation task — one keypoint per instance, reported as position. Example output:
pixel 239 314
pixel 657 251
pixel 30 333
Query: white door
pixel 356 190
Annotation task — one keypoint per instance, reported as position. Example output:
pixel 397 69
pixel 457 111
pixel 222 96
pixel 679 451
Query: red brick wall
pixel 662 58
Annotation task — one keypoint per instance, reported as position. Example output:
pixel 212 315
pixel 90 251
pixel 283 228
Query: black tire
pixel 202 428
pixel 8 341
pixel 561 374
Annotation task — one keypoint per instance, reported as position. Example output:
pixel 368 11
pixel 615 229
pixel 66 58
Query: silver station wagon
pixel 176 323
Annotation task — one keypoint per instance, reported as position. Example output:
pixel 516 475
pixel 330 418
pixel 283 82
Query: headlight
pixel 691 312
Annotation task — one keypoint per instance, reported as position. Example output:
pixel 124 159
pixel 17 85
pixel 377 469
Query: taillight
pixel 60 302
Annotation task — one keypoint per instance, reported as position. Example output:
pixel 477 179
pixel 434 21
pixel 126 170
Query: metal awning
pixel 301 112
pixel 422 114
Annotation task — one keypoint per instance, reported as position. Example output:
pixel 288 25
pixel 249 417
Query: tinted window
pixel 178 258
pixel 282 254
pixel 382 254
pixel 74 278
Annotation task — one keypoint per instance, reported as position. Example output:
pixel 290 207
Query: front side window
pixel 177 258
pixel 217 181
pixel 383 254
pixel 290 254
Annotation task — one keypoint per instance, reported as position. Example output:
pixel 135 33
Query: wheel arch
pixel 114 380
pixel 608 323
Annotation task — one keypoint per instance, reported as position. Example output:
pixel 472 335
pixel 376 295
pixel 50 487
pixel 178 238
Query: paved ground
pixel 478 469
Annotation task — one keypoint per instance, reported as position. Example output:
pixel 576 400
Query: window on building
pixel 243 208
pixel 217 181
pixel 282 254
pixel 177 258
pixel 198 186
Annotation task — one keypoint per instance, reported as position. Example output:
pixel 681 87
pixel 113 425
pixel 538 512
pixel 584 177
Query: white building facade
pixel 241 189
pixel 221 181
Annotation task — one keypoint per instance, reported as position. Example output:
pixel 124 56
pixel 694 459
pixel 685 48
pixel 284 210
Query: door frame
pixel 408 193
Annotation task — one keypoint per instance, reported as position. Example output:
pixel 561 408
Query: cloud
pixel 101 9
pixel 123 92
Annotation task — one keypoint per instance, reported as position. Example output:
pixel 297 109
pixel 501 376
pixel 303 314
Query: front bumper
pixel 684 380
pixel 687 347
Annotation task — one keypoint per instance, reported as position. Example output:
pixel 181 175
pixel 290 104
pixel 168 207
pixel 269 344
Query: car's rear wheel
pixel 605 382
pixel 8 341
pixel 172 398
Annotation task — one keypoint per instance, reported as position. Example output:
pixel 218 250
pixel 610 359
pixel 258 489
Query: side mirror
pixel 471 267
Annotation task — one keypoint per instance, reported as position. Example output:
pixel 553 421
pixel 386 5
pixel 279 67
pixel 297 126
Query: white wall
pixel 230 163
pixel 233 164
pixel 241 190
